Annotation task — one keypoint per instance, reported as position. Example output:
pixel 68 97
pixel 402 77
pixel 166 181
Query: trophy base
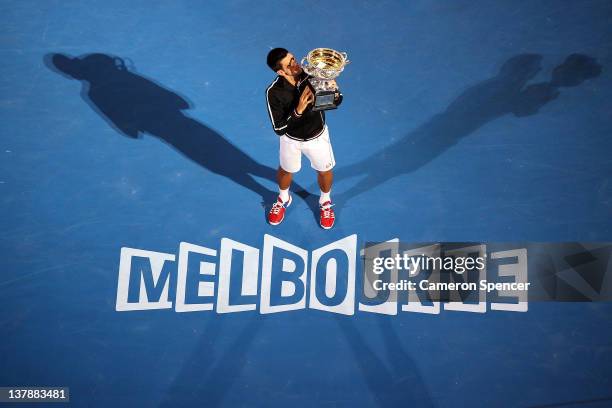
pixel 324 100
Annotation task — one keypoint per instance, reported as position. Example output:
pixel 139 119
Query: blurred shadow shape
pixel 214 366
pixel 576 69
pixel 506 93
pixel 395 383
pixel 134 105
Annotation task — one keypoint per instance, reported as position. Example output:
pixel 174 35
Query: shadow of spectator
pixel 397 383
pixel 214 366
pixel 506 93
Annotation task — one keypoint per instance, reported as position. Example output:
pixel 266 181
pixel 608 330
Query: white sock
pixel 284 195
pixel 324 197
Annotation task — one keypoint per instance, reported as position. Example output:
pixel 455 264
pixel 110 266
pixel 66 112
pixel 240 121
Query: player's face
pixel 290 66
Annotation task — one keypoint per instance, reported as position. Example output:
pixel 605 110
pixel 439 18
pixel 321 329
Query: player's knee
pixel 283 171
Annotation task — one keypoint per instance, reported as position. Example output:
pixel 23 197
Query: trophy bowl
pixel 324 65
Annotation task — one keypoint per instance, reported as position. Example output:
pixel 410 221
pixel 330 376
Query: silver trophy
pixel 324 65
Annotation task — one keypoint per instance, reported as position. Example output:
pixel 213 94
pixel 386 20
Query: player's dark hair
pixel 274 58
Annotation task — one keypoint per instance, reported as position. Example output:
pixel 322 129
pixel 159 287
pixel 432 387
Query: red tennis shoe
pixel 277 212
pixel 327 215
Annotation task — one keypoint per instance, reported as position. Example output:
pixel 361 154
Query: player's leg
pixel 321 156
pixel 290 162
pixel 325 180
pixel 283 178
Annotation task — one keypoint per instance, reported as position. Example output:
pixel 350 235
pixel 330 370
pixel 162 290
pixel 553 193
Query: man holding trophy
pixel 296 101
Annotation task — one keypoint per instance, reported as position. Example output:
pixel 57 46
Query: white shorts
pixel 319 152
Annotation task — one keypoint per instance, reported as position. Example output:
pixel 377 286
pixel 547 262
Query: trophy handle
pixel 346 60
pixel 307 67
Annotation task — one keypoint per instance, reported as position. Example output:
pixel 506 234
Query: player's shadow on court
pixel 506 93
pixel 134 105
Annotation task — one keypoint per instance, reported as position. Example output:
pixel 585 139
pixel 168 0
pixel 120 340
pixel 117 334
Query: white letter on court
pixel 204 288
pixel 157 260
pixel 389 307
pixel 288 288
pixel 248 287
pixel 414 303
pixel 519 271
pixel 481 306
pixel 347 245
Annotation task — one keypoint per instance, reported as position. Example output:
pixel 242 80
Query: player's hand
pixel 306 99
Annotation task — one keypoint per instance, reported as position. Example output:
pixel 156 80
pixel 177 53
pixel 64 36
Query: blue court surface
pixel 143 125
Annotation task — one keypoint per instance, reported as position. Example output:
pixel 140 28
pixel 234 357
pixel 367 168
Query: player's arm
pixel 283 122
pixel 306 99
